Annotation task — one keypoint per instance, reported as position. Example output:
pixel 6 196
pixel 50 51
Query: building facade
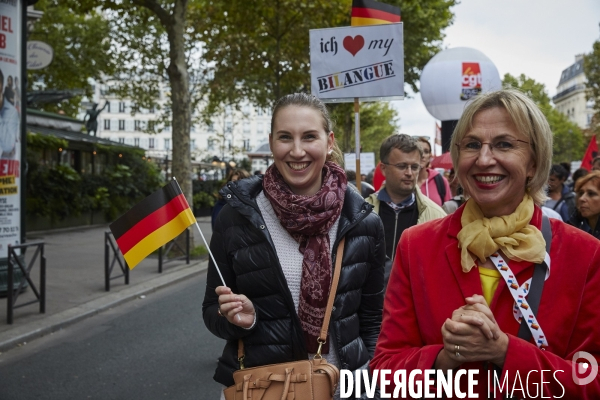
pixel 571 98
pixel 230 136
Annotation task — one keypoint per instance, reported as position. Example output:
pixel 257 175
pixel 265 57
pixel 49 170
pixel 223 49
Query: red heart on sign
pixel 354 44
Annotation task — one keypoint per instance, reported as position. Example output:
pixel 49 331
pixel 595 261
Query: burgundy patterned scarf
pixel 308 219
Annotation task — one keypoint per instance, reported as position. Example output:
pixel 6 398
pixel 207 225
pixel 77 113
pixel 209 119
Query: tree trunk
pixel 180 96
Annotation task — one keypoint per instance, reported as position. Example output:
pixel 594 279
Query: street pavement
pixel 75 286
pixel 153 348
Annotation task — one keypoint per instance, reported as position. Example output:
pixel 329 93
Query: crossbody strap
pixel 334 284
pixel 537 281
pixel 327 317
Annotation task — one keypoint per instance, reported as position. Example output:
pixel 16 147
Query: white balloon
pixel 453 76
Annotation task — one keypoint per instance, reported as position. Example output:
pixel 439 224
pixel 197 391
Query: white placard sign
pixel 367 162
pixel 361 61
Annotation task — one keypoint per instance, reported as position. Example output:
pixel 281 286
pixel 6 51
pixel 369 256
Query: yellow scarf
pixel 481 237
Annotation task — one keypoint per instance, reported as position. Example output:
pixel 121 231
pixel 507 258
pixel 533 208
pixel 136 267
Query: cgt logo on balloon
pixel 471 80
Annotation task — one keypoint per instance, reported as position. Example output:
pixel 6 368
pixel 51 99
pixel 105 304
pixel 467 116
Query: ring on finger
pixel 456 348
pixel 457 354
pixel 219 311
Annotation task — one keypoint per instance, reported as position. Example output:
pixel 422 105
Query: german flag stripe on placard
pixel 151 223
pixel 370 12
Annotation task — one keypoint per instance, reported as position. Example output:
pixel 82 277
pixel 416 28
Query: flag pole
pixel 205 243
pixel 357 142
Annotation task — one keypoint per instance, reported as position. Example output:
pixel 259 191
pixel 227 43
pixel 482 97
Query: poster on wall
pixel 10 122
pixel 360 61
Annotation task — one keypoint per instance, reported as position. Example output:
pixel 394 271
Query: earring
pixel 330 151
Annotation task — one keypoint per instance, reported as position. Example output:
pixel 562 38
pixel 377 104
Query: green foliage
pixel 204 200
pixel 153 42
pixel 377 121
pixel 258 50
pixel 54 192
pixel 37 141
pixel 81 51
pixel 424 24
pixel 206 193
pixel 198 252
pixel 58 192
pixel 591 67
pixel 568 144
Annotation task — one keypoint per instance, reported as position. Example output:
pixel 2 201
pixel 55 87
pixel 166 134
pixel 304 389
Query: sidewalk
pixel 75 282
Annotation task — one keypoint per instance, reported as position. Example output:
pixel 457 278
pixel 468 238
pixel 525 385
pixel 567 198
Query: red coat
pixel 427 284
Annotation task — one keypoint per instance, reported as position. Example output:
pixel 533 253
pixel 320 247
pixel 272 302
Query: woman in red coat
pixel 460 307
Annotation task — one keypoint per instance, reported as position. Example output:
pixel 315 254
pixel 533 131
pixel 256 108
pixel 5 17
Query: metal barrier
pixel 111 250
pixel 13 294
pixel 162 254
pixel 109 244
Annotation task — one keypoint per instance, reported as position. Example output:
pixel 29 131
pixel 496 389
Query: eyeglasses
pixel 472 147
pixel 404 167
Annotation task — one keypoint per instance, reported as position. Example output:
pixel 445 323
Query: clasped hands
pixel 236 308
pixel 472 334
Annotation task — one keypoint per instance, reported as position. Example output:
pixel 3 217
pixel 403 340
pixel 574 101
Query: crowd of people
pixel 437 272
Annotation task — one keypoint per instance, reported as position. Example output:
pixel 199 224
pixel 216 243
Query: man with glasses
pixel 399 202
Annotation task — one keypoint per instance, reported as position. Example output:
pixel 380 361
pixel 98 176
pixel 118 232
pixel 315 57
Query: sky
pixel 538 38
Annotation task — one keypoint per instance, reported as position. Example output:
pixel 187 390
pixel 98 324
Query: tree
pixel 568 143
pixel 591 67
pixel 424 24
pixel 151 42
pixel 377 121
pixel 81 53
pixel 258 50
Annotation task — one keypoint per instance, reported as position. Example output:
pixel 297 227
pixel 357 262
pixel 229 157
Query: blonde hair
pixel 528 119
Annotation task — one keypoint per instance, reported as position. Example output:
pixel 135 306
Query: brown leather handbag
pixel 314 379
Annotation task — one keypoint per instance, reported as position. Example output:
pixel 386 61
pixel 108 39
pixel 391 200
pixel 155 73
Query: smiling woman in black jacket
pixel 273 243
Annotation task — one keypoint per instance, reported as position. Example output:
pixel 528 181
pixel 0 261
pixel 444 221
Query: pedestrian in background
pixel 431 182
pixel 458 196
pixel 399 202
pixel 560 198
pixel 596 163
pixel 578 174
pixel 233 176
pixel 587 190
pixel 454 306
pixel 274 242
pixel 366 189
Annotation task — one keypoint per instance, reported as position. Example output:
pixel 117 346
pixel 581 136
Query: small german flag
pixel 370 12
pixel 151 223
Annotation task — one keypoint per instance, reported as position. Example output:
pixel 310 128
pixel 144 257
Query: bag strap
pixel 334 284
pixel 535 291
pixel 439 184
pixel 327 317
pixel 537 281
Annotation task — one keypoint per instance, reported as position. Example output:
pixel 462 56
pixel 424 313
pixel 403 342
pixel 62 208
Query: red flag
pixel 590 154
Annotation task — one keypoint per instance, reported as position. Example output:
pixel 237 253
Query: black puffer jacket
pixel 243 248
